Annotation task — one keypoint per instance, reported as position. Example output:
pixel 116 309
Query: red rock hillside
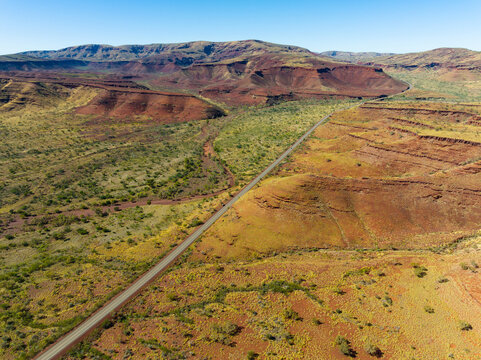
pixel 260 79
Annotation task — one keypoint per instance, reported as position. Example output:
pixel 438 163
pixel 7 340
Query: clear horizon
pixel 355 26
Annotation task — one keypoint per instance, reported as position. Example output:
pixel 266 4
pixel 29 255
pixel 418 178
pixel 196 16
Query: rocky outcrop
pixel 257 80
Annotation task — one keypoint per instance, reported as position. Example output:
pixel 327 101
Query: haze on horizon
pixel 319 26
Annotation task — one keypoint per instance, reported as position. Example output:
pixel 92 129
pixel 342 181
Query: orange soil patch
pixel 365 297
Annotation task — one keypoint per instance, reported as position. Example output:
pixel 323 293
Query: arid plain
pixel 363 243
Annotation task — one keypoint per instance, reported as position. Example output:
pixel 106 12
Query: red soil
pixel 69 81
pixel 259 79
pixel 122 98
pixel 162 107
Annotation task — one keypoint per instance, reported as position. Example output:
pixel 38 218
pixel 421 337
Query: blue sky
pixel 386 26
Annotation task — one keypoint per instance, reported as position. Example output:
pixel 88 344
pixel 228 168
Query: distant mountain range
pixel 235 72
pixel 442 57
pixel 180 53
pixel 353 57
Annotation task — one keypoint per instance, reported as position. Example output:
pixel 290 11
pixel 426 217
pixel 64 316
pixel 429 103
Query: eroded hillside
pixel 439 74
pixel 116 98
pixel 267 78
pixel 397 174
pixel 234 73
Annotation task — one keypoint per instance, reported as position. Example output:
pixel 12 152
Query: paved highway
pixel 60 347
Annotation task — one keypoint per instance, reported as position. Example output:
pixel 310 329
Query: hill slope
pixel 442 57
pixel 182 53
pixel 274 77
pixel 115 99
pixel 444 73
pixel 236 72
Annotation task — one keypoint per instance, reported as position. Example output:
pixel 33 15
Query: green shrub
pixel 345 346
pixel 373 350
pixel 465 326
pixel 195 222
pixel 173 297
pixel 280 286
pixel 21 190
pixel 82 231
pixel 59 236
pixel 429 309
pixel 292 315
pixel 387 301
pixel 473 266
pixel 107 324
pixel 361 271
pixel 222 332
pixel 420 271
pixel 338 291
